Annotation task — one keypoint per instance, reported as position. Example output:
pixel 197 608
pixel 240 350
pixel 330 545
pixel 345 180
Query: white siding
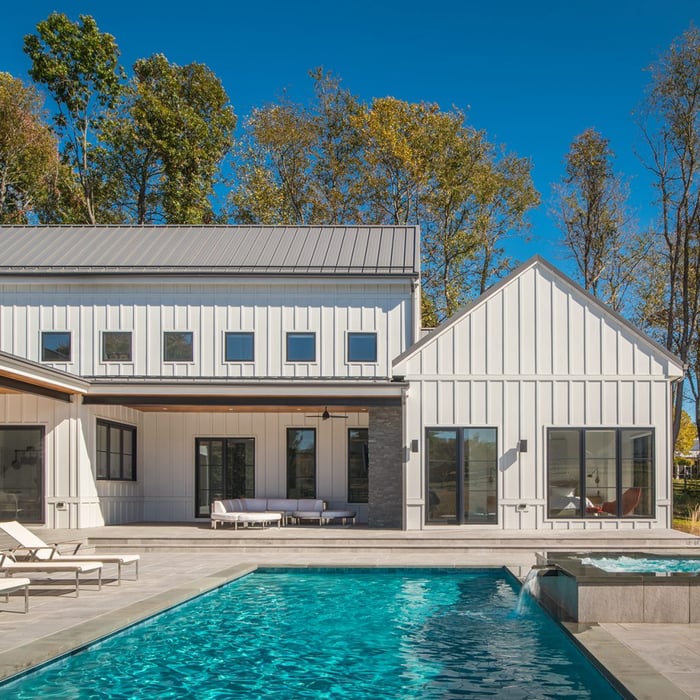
pixel 536 354
pixel 269 309
pixel 168 462
pixel 73 498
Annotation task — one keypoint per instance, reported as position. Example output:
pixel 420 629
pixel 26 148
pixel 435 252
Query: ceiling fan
pixel 326 415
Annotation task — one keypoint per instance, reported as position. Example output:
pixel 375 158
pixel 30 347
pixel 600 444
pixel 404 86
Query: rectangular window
pixel 22 473
pixel 362 347
pixel 301 463
pixel 178 346
pixel 116 451
pixel 301 347
pixel 358 465
pixel 116 346
pixel 239 347
pixel 55 346
pixel 600 472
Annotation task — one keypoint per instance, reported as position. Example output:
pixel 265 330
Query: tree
pixel 428 166
pixel 29 163
pixel 339 161
pixel 78 64
pixel 592 213
pixel 301 164
pixel 687 435
pixel 672 133
pixel 167 140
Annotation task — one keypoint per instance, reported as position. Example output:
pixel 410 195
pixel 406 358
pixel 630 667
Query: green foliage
pixel 299 165
pixel 591 211
pixel 165 143
pixel 672 131
pixel 687 435
pixel 29 163
pixel 78 64
pixel 339 161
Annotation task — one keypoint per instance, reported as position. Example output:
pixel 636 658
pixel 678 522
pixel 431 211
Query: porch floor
pixel 183 559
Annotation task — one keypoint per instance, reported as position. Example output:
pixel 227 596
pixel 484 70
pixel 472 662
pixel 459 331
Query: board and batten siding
pixel 169 457
pixel 270 310
pixel 536 353
pixel 73 498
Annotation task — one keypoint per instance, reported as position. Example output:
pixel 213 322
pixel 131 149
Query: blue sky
pixel 532 75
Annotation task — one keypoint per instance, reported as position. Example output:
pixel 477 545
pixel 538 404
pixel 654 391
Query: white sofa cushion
pixel 284 505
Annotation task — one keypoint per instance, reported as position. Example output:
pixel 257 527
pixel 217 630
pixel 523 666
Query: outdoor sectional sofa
pixel 265 510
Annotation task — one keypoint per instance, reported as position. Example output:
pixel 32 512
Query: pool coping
pixel 629 674
pixel 32 655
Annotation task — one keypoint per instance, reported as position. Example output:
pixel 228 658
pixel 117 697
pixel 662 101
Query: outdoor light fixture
pixel 522 445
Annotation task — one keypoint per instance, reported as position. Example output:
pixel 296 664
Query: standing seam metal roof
pixel 349 250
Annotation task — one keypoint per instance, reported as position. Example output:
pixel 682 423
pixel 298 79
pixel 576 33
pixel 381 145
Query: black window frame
pixel 358 334
pixel 108 334
pixel 291 335
pixel 289 474
pixel 247 334
pixel 352 490
pixel 203 475
pixel 29 507
pixel 166 335
pixel 583 511
pixel 45 335
pixel 124 429
pixel 461 475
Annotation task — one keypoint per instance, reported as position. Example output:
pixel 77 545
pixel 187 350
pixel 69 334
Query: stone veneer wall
pixel 385 467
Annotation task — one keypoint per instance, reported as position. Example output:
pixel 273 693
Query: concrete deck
pixel 178 561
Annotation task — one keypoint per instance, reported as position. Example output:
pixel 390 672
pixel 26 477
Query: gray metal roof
pixel 294 250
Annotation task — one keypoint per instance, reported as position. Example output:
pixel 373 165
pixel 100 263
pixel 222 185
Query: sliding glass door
pixel 225 468
pixel 462 475
pixel 22 473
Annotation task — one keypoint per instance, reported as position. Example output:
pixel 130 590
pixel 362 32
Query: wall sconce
pixel 522 445
pixel 414 445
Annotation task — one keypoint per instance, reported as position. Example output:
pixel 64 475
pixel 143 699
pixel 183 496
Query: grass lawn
pixel 686 505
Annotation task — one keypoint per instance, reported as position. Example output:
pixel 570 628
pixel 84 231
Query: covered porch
pixel 108 451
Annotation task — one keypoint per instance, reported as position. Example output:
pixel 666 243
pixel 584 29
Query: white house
pixel 145 371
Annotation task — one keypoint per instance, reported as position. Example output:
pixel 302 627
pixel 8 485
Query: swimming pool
pixel 645 565
pixel 334 633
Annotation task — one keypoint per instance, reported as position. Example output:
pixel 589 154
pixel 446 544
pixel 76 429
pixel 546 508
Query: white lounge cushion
pixel 7 585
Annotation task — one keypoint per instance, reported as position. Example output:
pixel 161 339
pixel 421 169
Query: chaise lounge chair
pixel 38 550
pixel 9 585
pixel 10 566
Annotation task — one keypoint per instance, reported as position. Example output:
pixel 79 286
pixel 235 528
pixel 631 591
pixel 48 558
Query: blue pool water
pixel 334 633
pixel 645 565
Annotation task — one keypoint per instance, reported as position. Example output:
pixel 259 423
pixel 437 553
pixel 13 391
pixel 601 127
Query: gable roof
pixel 539 261
pixel 238 250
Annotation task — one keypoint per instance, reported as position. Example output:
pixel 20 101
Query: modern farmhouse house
pixel 146 371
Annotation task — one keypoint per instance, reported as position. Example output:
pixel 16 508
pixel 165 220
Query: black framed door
pixel 22 473
pixel 462 476
pixel 225 468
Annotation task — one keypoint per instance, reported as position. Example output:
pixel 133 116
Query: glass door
pixel 462 466
pixel 22 473
pixel 225 468
pixel 442 476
